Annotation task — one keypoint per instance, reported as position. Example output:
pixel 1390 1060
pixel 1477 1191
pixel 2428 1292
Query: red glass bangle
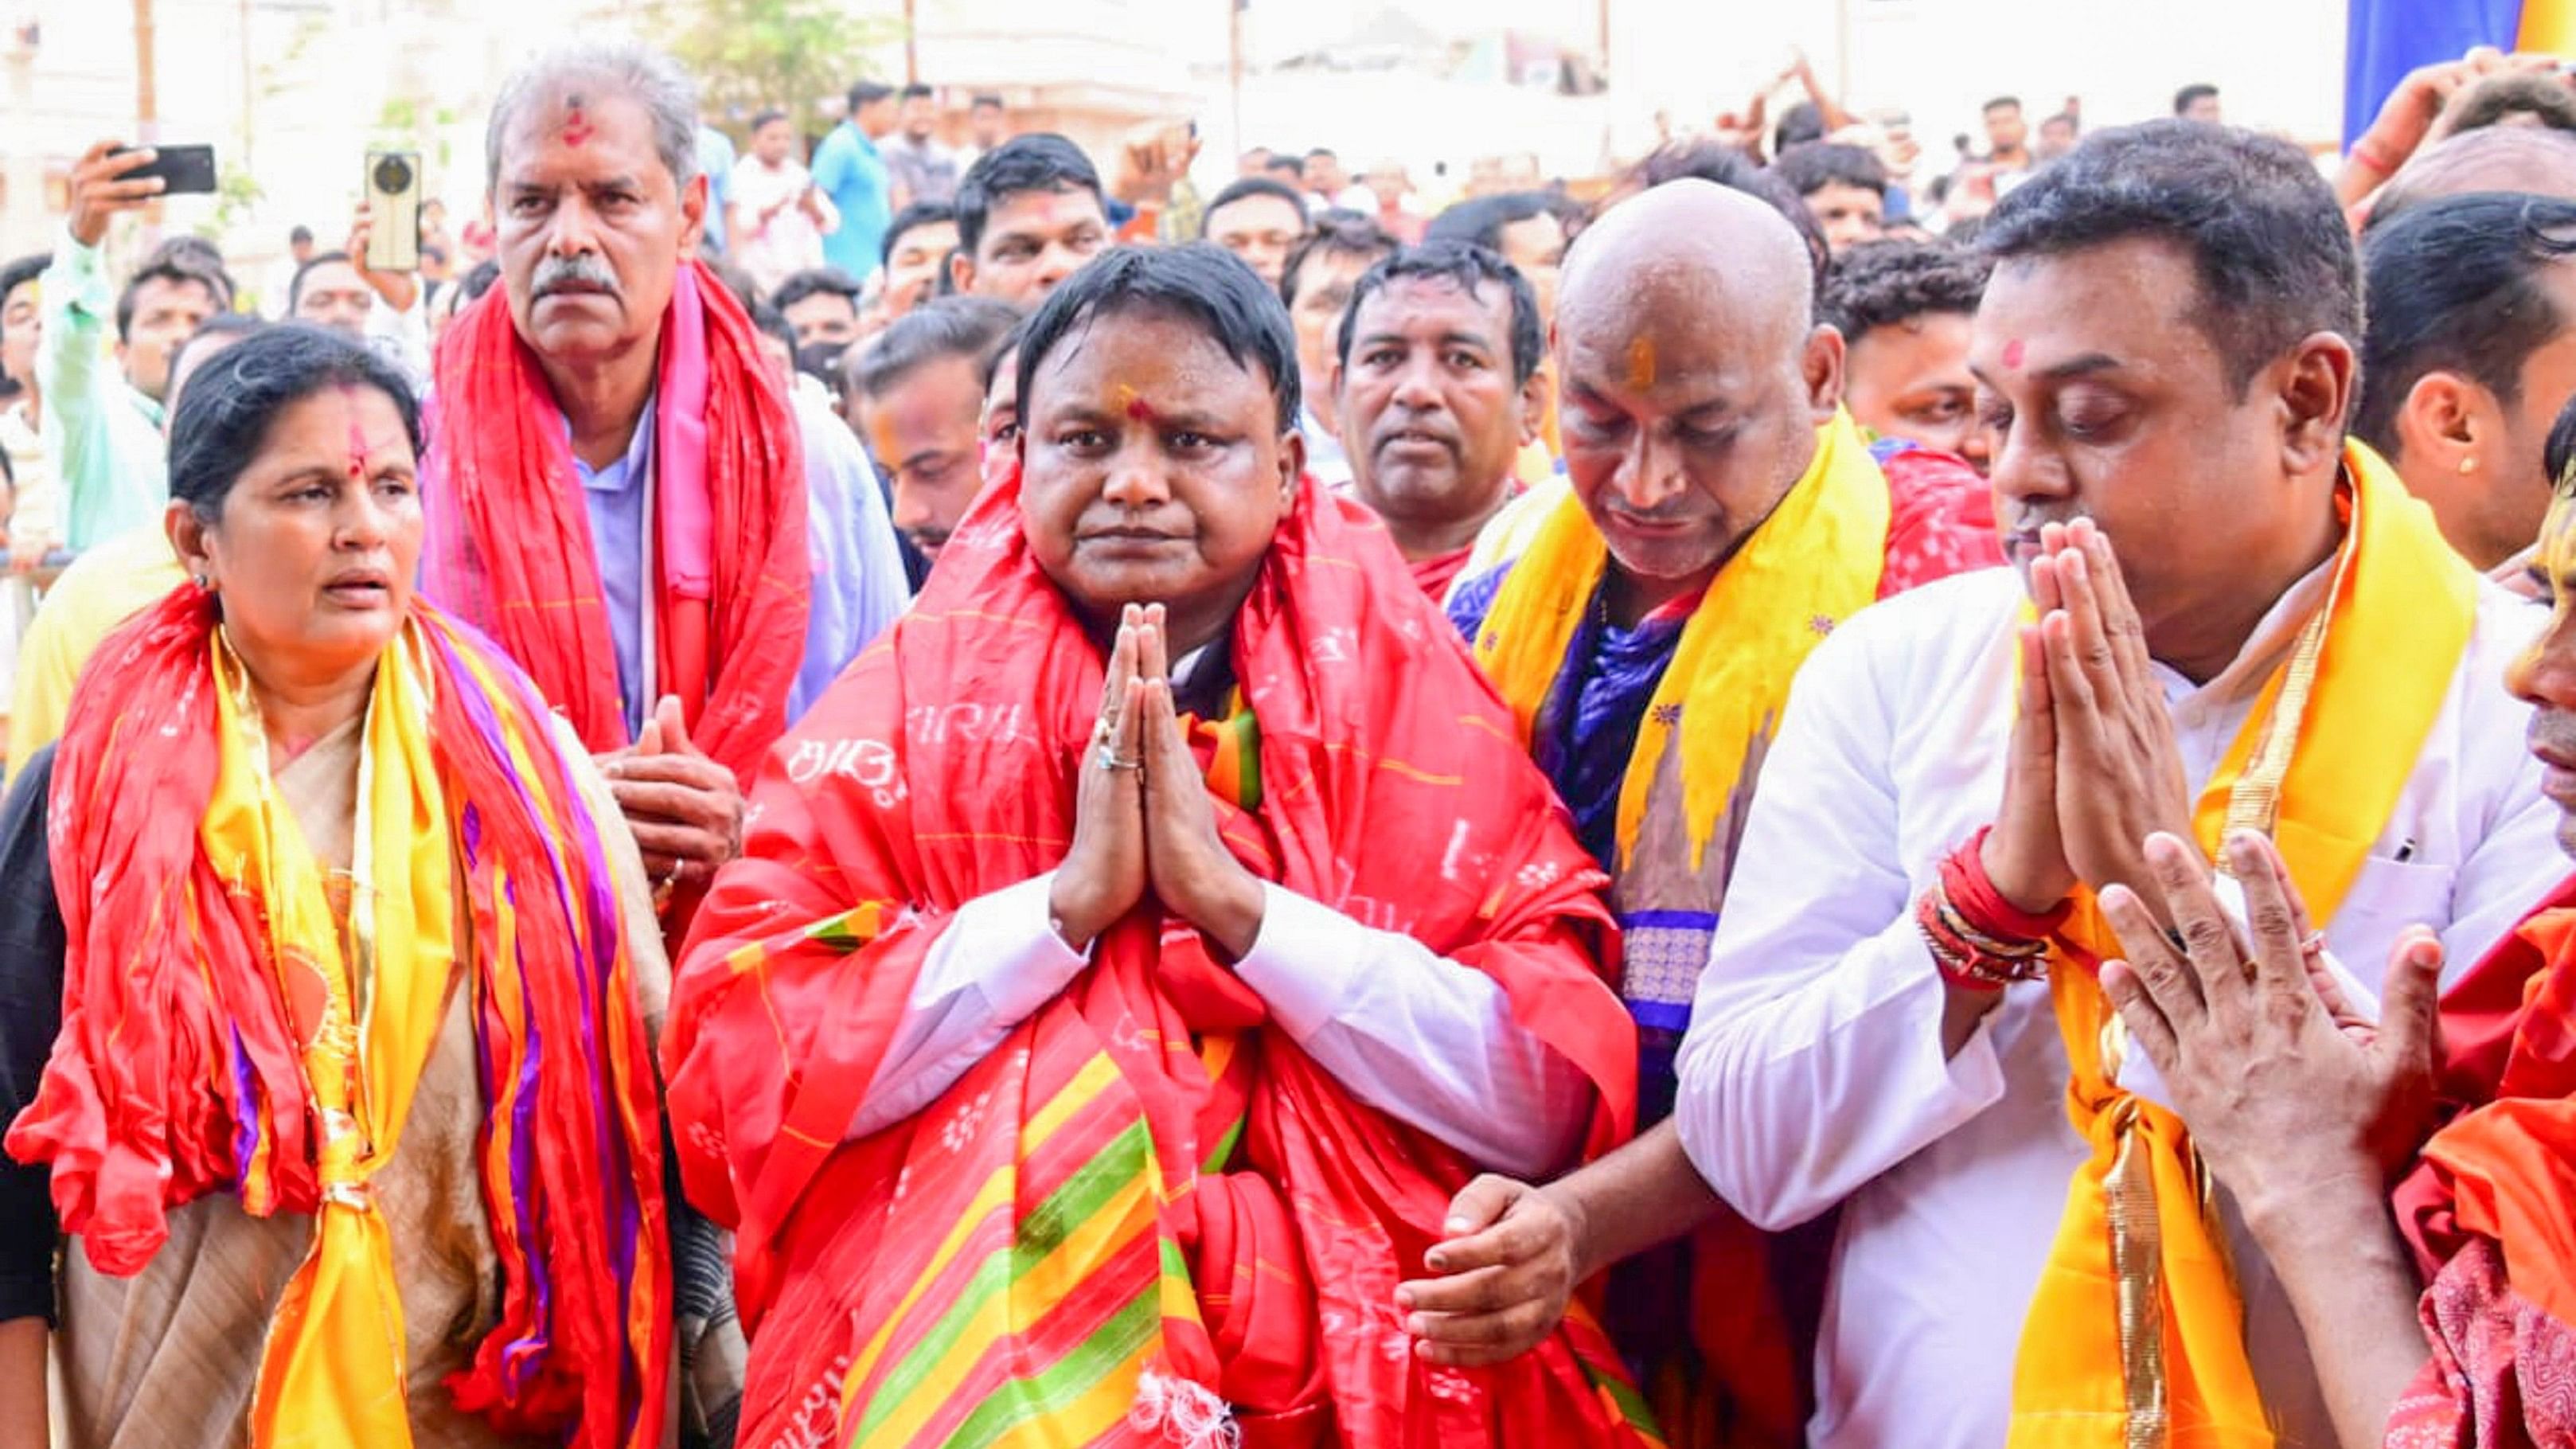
pixel 1973 895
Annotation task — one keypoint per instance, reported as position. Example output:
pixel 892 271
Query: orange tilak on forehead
pixel 1134 405
pixel 1641 364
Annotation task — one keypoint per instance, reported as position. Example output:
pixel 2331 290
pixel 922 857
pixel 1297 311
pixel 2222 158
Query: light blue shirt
pixel 614 496
pixel 849 169
pixel 104 436
pixel 715 162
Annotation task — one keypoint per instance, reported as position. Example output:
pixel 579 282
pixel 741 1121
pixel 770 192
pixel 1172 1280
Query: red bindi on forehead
pixel 358 447
pixel 1135 406
pixel 577 128
pixel 2014 352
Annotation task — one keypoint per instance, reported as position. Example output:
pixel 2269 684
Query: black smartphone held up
pixel 184 170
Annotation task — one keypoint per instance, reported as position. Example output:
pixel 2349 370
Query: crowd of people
pixel 902 796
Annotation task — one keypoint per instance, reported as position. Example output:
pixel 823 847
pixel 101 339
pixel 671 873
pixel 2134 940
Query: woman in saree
pixel 328 978
pixel 1135 949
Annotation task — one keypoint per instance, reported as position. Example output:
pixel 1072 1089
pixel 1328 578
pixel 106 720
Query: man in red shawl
pixel 678 552
pixel 2302 1107
pixel 1135 950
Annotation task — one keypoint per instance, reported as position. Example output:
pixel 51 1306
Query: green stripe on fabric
pixel 1118 1163
pixel 1225 1145
pixel 1632 1405
pixel 1067 1379
pixel 1247 738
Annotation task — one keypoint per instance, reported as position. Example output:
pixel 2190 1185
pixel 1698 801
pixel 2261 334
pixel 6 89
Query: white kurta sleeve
pixel 998 961
pixel 1813 1061
pixel 1424 1039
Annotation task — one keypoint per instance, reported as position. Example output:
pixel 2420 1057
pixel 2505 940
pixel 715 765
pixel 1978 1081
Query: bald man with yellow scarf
pixel 1723 516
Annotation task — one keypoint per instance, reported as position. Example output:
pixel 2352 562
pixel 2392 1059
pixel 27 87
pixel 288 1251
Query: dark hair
pixel 222 324
pixel 2266 238
pixel 1723 165
pixel 763 118
pixel 295 284
pixel 177 265
pixel 914 215
pixel 915 90
pixel 867 93
pixel 771 322
pixel 1811 168
pixel 1326 152
pixel 1336 234
pixel 1883 283
pixel 1800 124
pixel 2559 453
pixel 1204 285
pixel 2458 285
pixel 986 98
pixel 1284 164
pixel 968 327
pixel 299 235
pixel 1479 220
pixel 1038 161
pixel 2073 121
pixel 814 281
pixel 226 410
pixel 479 280
pixel 201 251
pixel 1467 267
pixel 2190 94
pixel 21 271
pixel 1998 103
pixel 1007 347
pixel 1248 186
pixel 2545 98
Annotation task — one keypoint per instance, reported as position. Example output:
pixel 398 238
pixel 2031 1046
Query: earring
pixel 202 582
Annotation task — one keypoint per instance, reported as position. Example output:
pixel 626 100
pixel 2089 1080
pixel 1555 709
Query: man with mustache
pixel 2225 619
pixel 1724 516
pixel 2302 1106
pixel 1437 389
pixel 680 553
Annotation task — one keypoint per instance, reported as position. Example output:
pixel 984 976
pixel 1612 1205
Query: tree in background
pixel 749 55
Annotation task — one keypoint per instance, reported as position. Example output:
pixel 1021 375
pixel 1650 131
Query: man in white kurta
pixel 1829 1063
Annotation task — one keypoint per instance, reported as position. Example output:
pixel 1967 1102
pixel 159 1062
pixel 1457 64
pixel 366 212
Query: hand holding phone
pixel 111 178
pixel 184 170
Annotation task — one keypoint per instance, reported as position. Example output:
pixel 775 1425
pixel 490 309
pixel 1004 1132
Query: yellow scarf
pixel 364 1001
pixel 2136 1334
pixel 1808 567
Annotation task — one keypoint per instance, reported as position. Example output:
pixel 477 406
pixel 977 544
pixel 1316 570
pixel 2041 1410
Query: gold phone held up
pixel 393 211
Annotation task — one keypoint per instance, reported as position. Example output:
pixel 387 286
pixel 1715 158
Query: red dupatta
pixel 176 1073
pixel 1237 1221
pixel 514 554
pixel 2491 1208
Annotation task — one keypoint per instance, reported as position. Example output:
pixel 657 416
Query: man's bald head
pixel 1694 244
pixel 1694 378
pixel 2533 159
